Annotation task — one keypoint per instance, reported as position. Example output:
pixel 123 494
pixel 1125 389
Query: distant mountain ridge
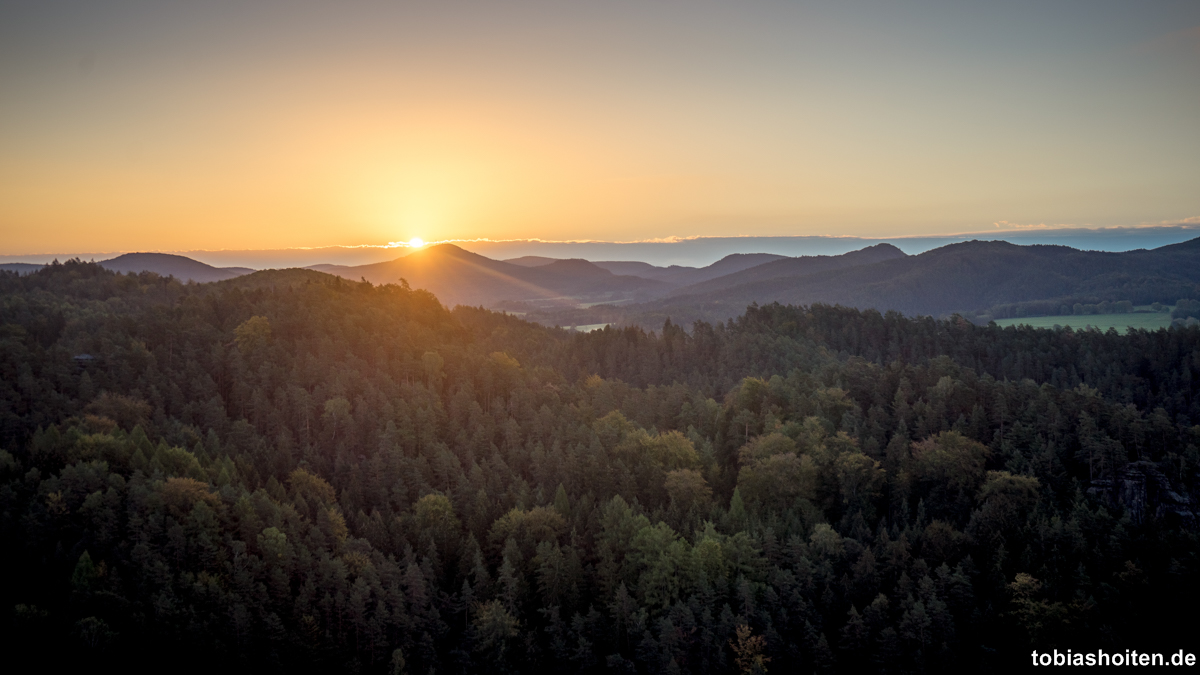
pixel 968 278
pixel 792 267
pixel 164 264
pixel 457 276
pixel 532 260
pixel 974 278
pixel 979 274
pixel 21 268
pixel 683 276
pixel 674 274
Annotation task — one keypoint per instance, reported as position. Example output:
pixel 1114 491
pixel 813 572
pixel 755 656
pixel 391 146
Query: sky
pixel 178 126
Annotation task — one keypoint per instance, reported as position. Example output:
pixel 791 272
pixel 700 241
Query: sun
pixel 416 242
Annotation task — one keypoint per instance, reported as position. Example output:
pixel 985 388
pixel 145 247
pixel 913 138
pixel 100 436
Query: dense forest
pixel 289 470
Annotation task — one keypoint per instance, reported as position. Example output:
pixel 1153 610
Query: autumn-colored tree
pixel 748 651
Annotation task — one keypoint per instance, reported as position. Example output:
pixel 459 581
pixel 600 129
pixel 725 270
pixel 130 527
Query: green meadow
pixel 1146 320
pixel 589 327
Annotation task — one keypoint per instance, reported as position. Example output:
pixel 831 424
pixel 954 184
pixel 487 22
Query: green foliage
pixel 86 576
pixel 687 489
pixel 253 335
pixel 950 466
pixel 495 629
pixel 777 481
pixel 1186 308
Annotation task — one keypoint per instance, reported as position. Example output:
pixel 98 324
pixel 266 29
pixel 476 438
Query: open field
pixel 1146 320
pixel 585 305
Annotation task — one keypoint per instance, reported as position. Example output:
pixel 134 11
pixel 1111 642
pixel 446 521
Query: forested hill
pixel 166 264
pixel 292 471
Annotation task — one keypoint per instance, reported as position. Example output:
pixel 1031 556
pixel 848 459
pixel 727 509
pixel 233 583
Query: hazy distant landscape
pixel 980 280
pixel 697 252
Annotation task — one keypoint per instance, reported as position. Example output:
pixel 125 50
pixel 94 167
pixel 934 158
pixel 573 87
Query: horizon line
pixel 1011 229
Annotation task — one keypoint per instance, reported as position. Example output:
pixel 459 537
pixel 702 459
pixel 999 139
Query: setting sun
pixel 416 242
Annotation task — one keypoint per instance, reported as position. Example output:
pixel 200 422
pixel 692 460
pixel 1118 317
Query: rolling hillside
pixel 976 275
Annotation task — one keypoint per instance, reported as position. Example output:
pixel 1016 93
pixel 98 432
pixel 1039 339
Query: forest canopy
pixel 291 470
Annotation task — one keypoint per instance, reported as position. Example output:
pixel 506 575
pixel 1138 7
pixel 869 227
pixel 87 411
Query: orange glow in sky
pixel 270 125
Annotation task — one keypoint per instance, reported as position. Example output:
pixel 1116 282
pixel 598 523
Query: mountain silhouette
pixel 166 264
pixel 792 267
pixel 21 268
pixel 682 276
pixel 979 279
pixel 531 260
